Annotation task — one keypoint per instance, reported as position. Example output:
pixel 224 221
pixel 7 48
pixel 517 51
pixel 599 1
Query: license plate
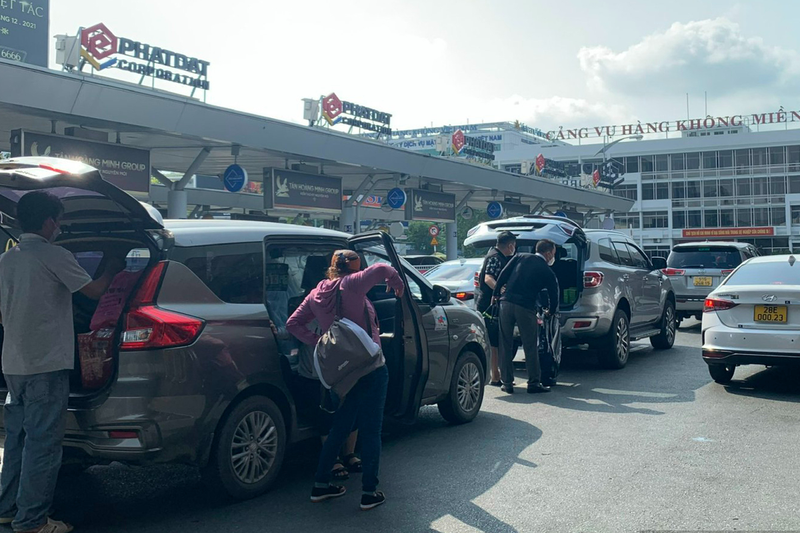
pixel 771 314
pixel 702 282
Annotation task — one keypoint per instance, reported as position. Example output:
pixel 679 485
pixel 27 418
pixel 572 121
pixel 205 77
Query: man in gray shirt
pixel 37 280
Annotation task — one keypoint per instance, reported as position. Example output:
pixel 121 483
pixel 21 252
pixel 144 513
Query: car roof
pixel 463 261
pixel 526 228
pixel 732 244
pixel 782 258
pixel 203 232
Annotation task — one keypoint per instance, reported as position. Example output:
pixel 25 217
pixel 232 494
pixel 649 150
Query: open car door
pixel 403 336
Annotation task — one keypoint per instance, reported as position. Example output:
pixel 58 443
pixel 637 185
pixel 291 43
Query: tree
pixel 419 239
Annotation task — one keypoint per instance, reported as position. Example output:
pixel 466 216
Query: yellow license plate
pixel 773 314
pixel 702 282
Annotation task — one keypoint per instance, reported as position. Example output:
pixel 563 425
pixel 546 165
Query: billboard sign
pixel 24 29
pixel 706 233
pixel 298 190
pixel 431 205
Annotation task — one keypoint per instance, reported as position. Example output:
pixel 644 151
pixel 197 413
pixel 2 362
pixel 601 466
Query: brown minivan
pixel 191 372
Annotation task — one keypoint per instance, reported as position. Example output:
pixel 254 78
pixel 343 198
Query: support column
pixel 177 203
pixel 451 228
pixel 347 219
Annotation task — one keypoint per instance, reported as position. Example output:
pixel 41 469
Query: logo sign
pixel 766 297
pixel 540 162
pixel 127 168
pixel 494 210
pixel 300 191
pixel 459 141
pixel 396 198
pixel 24 31
pixel 336 111
pixel 596 178
pixel 728 232
pixel 433 231
pixel 431 205
pixel 234 178
pixel 102 49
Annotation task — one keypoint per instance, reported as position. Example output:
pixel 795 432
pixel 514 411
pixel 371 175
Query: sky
pixel 437 62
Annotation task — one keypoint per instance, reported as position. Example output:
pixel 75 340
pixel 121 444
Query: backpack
pixel 346 353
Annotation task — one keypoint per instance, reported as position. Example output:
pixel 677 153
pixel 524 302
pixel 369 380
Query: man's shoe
pixel 52 526
pixel 537 388
pixel 371 501
pixel 497 383
pixel 326 493
pixel 507 388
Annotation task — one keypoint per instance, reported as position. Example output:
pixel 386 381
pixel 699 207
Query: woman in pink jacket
pixel 365 401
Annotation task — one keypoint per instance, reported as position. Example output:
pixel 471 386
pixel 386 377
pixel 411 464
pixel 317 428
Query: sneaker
pixel 371 501
pixel 52 526
pixel 507 389
pixel 326 493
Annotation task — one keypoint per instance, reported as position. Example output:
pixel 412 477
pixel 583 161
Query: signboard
pixel 433 231
pixel 24 31
pixel 297 190
pixel 472 147
pixel 434 242
pixel 431 205
pixel 102 49
pixel 467 213
pixel 234 178
pixel 396 198
pixel 494 210
pixel 497 210
pixel 336 111
pixel 372 200
pixel 127 168
pixel 728 232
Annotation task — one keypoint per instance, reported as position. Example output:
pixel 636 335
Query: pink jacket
pixel 321 302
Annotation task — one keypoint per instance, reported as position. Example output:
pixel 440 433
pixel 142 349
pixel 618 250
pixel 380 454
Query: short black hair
pixel 35 208
pixel 544 246
pixel 505 237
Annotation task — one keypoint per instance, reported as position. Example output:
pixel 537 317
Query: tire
pixel 669 327
pixel 463 402
pixel 256 418
pixel 722 374
pixel 616 346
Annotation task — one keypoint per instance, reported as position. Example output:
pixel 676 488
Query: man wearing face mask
pixel 524 277
pixel 37 280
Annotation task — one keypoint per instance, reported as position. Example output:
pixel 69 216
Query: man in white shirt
pixel 37 280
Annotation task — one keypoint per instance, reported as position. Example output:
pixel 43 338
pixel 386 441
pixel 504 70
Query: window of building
pixel 627 191
pixel 662 190
pixel 743 187
pixel 709 159
pixel 795 215
pixel 655 219
pixel 662 163
pixel 648 191
pixel 793 158
pixel 742 161
pixel 760 187
pixel 631 164
pixel 678 219
pixel 677 162
pixel 647 163
pixel 777 185
pixel 759 157
pixel 744 217
pixel 234 272
pixel 657 251
pixel 726 188
pixel 626 221
pixel 692 189
pixel 679 189
pixel 693 161
pixel 694 219
pixel 710 188
pixel 761 216
pixel 725 158
pixel 794 184
pixel 726 218
pixel 778 216
pixel 711 218
pixel 777 155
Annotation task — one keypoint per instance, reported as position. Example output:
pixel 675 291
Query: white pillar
pixel 177 204
pixel 347 219
pixel 451 229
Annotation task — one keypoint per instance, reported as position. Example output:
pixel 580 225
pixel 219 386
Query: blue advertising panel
pixel 24 29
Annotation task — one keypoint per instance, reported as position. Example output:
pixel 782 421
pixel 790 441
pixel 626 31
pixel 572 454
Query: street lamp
pixel 609 145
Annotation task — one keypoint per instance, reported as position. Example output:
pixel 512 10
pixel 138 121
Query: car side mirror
pixel 659 263
pixel 440 295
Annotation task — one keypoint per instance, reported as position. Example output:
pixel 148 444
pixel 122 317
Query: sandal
pixel 353 463
pixel 340 473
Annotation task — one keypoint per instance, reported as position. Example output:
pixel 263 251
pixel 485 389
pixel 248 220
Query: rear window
pixel 453 272
pixel 704 257
pixel 766 274
pixel 234 272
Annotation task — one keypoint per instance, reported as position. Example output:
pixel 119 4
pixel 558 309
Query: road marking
pixel 496 466
pixel 701 439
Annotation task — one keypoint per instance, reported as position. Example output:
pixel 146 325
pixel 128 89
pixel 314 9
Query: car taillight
pixel 146 294
pixel 592 279
pixel 567 229
pixel 672 272
pixel 475 281
pixel 715 304
pixel 464 296
pixel 726 272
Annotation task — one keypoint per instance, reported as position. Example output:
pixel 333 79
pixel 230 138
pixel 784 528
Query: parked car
pixel 458 276
pixel 423 263
pixel 753 317
pixel 695 269
pixel 192 372
pixel 612 293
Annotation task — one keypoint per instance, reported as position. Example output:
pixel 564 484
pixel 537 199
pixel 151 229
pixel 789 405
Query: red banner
pixel 728 232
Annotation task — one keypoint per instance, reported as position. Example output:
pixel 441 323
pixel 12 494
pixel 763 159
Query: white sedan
pixel 753 317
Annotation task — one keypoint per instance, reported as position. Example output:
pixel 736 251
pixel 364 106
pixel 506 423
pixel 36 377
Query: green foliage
pixel 419 240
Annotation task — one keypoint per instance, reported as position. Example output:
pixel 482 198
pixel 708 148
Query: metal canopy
pixel 176 129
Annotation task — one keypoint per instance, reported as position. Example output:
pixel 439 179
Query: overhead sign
pixel 494 210
pixel 336 111
pixel 728 232
pixel 24 31
pixel 396 198
pixel 127 168
pixel 497 210
pixel 234 178
pixel 370 201
pixel 472 147
pixel 431 205
pixel 102 49
pixel 297 190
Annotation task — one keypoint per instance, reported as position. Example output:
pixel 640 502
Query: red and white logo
pixel 596 177
pixel 540 163
pixel 459 141
pixel 331 108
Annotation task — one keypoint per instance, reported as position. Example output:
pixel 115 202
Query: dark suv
pixel 192 372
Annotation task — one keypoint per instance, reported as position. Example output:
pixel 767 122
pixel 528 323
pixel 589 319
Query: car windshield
pixel 772 273
pixel 452 272
pixel 704 257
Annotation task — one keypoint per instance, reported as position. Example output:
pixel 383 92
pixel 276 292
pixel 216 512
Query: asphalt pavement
pixel 654 446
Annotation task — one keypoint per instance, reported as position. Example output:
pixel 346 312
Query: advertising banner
pixel 300 191
pixel 430 205
pixel 728 232
pixel 24 31
pixel 127 168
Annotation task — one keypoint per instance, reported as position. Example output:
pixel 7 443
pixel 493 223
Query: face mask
pixel 56 233
pixel 552 261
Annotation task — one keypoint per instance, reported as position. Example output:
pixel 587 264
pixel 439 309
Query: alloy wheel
pixel 671 324
pixel 469 387
pixel 623 342
pixel 254 447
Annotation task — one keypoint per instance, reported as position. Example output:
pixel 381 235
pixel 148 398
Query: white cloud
pixel 710 55
pixel 554 111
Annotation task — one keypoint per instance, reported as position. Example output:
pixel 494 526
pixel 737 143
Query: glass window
pixel 743 187
pixel 777 273
pixel 89 261
pixel 694 219
pixel 662 190
pixel 631 164
pixel 677 162
pixel 794 184
pixel 776 155
pixel 724 257
pixel 761 216
pixel 648 191
pixel 726 218
pixel 679 189
pixel 662 163
pixel 607 253
pixel 795 214
pixel 655 219
pixel 678 219
pixel 692 189
pixel 778 216
pixel 693 161
pixel 777 185
pixel 623 254
pixel 725 158
pixel 793 158
pixel 647 163
pixel 760 187
pixel 710 188
pixel 711 218
pixel 234 272
pixel 638 259
pixel 709 159
pixel 453 271
pixel 759 156
pixel 726 188
pixel 626 221
pixel 743 161
pixel 627 191
pixel 744 217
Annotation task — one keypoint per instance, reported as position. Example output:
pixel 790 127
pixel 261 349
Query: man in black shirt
pixel 493 264
pixel 523 278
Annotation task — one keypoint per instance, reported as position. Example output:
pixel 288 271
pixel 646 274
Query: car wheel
pixel 722 374
pixel 616 346
pixel 248 452
pixel 464 400
pixel 666 338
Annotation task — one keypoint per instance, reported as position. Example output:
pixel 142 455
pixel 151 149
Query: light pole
pixel 609 145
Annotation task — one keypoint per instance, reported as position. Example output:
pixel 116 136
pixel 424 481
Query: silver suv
pixel 612 293
pixel 695 269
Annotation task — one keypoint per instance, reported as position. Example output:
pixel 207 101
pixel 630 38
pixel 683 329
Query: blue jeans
pixel 364 403
pixel 35 415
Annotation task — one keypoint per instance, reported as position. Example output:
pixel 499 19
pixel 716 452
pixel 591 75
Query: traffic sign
pixel 433 231
pixel 467 213
pixel 234 178
pixel 396 198
pixel 494 210
pixel 434 242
